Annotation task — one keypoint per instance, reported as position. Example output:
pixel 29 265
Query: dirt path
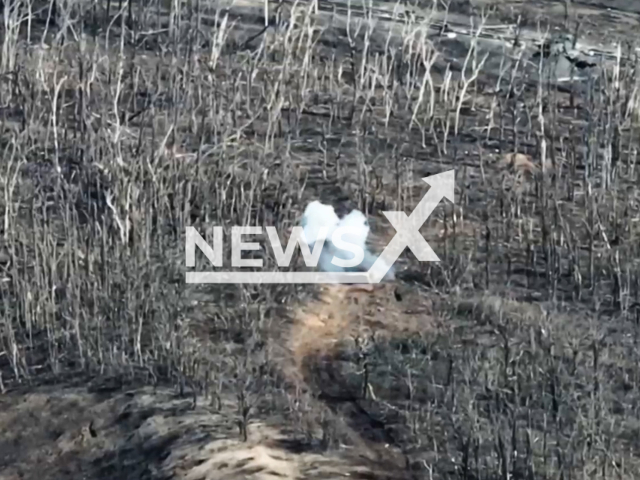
pixel 507 21
pixel 57 432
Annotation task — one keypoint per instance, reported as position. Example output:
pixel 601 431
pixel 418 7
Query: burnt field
pixel 515 357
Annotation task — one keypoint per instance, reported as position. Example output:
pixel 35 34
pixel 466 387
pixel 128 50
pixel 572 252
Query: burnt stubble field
pixel 123 122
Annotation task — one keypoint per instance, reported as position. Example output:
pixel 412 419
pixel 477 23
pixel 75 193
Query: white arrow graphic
pixel 407 235
pixel 407 227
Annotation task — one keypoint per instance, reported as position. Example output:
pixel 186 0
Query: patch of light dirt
pixel 57 433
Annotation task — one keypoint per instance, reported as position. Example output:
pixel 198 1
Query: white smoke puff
pixel 318 216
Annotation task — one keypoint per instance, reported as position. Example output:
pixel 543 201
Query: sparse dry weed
pixel 514 357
